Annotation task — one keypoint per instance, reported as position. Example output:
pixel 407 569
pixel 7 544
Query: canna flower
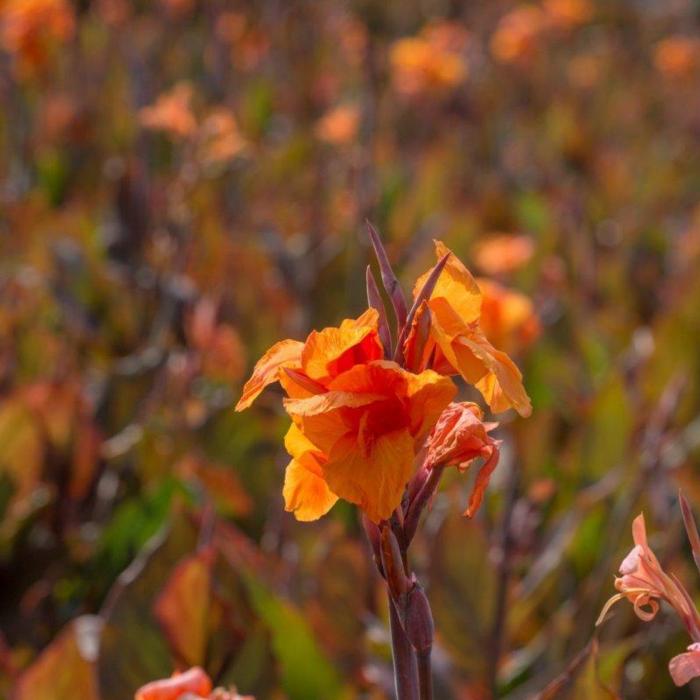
pixel 503 253
pixel 456 343
pixel 431 61
pixel 29 28
pixel 518 34
pixel 567 14
pixel 171 113
pixel 508 318
pixel 193 682
pixel 339 126
pixel 458 438
pixel 358 420
pixel 677 56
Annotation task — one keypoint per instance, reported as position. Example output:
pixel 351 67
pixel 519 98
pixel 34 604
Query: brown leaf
pixel 182 608
pixel 65 669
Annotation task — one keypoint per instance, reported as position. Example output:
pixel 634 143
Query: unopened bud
pixel 392 561
pixel 418 622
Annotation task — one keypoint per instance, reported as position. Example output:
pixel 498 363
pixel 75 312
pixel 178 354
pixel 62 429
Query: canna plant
pixel 373 422
pixel 644 583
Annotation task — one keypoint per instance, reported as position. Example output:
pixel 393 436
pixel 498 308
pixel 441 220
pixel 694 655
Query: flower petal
pixel 684 667
pixel 286 353
pixel 305 491
pixel 374 481
pixel 331 351
pixel 194 681
pixel 455 284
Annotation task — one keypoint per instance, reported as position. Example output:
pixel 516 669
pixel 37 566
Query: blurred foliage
pixel 183 182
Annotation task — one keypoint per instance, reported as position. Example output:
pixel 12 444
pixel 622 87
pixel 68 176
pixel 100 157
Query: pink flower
pixel 643 582
pixel 685 667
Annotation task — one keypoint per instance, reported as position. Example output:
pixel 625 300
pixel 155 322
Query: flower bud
pixel 418 622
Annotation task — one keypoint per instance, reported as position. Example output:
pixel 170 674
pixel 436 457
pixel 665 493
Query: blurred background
pixel 184 182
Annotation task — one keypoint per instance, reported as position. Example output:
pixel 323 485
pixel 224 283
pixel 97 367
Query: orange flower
pixel 518 33
pixel 220 136
pixel 195 682
pixel 339 125
pixel 508 317
pixel 677 56
pixel 29 27
pixel 644 582
pixel 171 113
pixel 503 253
pixel 431 61
pixel 358 420
pixel 459 437
pixel 567 14
pixel 456 344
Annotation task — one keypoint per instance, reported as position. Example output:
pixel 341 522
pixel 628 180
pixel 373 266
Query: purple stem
pixel 420 501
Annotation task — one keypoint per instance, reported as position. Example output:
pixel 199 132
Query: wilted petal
pixel 684 667
pixel 286 353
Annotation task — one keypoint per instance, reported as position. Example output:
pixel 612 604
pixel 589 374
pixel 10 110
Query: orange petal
pixel 481 482
pixel 455 284
pixel 331 351
pixel 374 481
pixel 296 443
pixel 286 353
pixel 503 386
pixel 429 394
pixel 306 492
pixel 330 401
pixel 194 681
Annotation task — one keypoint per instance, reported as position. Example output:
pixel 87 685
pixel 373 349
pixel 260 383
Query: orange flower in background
pixel 503 253
pixel 431 61
pixel 566 14
pixel 339 125
pixel 220 137
pixel 458 438
pixel 518 33
pixel 171 113
pixel 193 684
pixel 677 56
pixel 358 420
pixel 456 342
pixel 28 28
pixel 508 318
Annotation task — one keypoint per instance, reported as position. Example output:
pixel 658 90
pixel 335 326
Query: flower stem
pixel 425 676
pixel 405 666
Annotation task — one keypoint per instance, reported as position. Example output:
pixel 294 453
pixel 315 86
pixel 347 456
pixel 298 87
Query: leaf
pixel 133 650
pixel 182 608
pixel 306 672
pixel 65 669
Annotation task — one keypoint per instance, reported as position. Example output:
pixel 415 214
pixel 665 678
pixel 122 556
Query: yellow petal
pixel 286 353
pixel 296 443
pixel 375 481
pixel 305 491
pixel 491 371
pixel 455 284
pixel 503 386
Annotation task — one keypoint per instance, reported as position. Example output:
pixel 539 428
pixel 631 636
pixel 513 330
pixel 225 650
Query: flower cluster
pixel 362 402
pixel 644 583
